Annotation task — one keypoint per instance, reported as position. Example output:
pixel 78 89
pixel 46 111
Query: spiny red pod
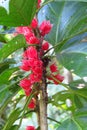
pixel 34 23
pixel 53 68
pixel 30 128
pixel 32 104
pixel 45 27
pixel 45 46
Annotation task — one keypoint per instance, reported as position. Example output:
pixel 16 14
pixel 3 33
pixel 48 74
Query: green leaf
pixel 59 99
pixel 12 118
pixel 75 58
pixel 77 95
pixel 80 101
pixel 79 90
pixel 77 84
pixel 62 96
pixel 2 38
pixel 4 80
pixel 5 64
pixel 7 98
pixel 20 13
pixel 79 87
pixel 82 92
pixel 13 45
pixel 69 20
pixel 14 127
pixel 66 18
pixel 5 75
pixel 77 101
pixel 64 0
pixel 3 94
pixel 69 124
pixel 28 99
pixel 77 122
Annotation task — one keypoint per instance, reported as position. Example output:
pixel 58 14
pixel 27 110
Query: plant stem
pixel 26 114
pixel 53 120
pixel 37 111
pixel 43 107
pixel 25 107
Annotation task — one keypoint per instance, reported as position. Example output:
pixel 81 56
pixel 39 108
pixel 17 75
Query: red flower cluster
pixel 33 57
pixel 30 37
pixel 31 62
pixel 45 27
pixel 28 33
pixel 30 128
pixel 34 60
pixel 26 85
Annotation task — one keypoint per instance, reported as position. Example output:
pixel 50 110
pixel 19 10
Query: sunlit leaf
pixel 20 13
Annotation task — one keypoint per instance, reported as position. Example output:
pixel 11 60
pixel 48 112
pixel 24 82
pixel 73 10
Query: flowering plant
pixel 36 60
pixel 45 50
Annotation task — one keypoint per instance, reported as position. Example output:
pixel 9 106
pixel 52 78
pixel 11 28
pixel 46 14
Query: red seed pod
pixel 45 46
pixel 32 104
pixel 34 23
pixel 45 27
pixel 53 68
pixel 30 128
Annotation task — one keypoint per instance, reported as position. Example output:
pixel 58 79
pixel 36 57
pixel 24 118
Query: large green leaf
pixel 5 64
pixel 20 13
pixel 13 45
pixel 77 84
pixel 69 20
pixel 80 101
pixel 77 122
pixel 5 75
pixel 76 93
pixel 2 38
pixel 4 81
pixel 14 127
pixel 82 92
pixel 59 100
pixel 79 87
pixel 79 90
pixel 63 0
pixel 7 98
pixel 12 118
pixel 75 58
pixel 69 124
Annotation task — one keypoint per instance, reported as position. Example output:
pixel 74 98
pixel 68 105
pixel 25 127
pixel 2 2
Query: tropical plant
pixel 36 37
